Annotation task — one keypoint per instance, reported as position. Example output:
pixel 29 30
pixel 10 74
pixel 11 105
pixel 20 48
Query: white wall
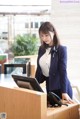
pixel 65 15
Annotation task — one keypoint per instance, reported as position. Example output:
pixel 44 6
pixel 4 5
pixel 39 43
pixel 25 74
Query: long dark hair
pixel 45 28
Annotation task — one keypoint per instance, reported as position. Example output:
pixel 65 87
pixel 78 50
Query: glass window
pixel 41 23
pixel 26 25
pixel 31 24
pixel 36 24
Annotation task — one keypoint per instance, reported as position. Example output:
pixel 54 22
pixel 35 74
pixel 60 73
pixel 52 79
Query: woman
pixel 52 63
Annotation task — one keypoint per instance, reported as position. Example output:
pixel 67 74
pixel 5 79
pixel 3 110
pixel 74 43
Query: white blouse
pixel 44 62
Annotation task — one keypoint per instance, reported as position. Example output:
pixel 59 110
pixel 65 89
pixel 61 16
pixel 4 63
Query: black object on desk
pixel 27 82
pixel 18 64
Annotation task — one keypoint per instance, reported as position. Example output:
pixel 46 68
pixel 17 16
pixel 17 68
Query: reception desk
pixel 19 103
pixel 22 104
pixel 70 112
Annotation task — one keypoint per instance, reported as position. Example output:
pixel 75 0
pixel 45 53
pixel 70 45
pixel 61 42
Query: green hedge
pixel 25 45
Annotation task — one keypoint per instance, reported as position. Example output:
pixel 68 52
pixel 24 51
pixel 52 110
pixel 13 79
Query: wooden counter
pixel 20 103
pixel 64 112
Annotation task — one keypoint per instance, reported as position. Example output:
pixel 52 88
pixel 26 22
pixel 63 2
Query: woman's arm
pixel 63 68
pixel 63 74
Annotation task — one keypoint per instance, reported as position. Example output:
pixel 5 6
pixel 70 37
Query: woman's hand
pixel 66 97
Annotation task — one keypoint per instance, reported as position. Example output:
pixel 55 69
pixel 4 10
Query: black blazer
pixel 57 74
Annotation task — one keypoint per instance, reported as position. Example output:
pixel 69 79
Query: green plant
pixel 25 45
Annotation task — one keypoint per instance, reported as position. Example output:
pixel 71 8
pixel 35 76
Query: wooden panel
pixel 70 112
pixel 22 103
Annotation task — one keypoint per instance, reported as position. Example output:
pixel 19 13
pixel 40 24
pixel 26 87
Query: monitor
pixel 27 82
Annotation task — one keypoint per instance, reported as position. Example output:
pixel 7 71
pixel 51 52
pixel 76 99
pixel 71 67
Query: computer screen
pixel 27 82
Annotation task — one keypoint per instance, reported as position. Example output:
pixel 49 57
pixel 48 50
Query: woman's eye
pixel 47 35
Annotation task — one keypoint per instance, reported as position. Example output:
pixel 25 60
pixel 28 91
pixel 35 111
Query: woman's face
pixel 47 38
